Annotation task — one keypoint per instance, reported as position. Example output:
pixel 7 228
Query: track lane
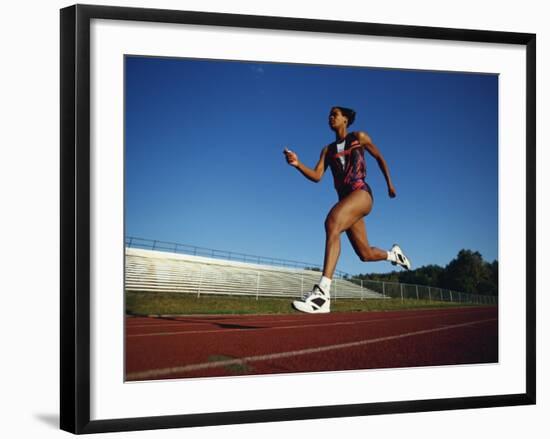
pixel 272 335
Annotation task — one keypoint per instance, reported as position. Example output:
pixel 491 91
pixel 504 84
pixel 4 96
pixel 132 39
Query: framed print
pixel 188 140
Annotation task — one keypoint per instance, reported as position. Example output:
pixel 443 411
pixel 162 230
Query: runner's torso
pixel 349 175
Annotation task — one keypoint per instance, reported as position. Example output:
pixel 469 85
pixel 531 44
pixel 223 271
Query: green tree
pixel 468 273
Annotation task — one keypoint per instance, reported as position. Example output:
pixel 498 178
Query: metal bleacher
pixel 161 271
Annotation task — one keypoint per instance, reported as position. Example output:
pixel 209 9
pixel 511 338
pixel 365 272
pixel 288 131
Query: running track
pixel 223 345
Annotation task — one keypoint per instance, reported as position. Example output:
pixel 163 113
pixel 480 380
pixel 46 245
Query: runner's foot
pixel 314 302
pixel 400 258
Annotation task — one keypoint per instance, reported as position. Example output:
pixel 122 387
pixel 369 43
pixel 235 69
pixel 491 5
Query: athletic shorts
pixel 363 186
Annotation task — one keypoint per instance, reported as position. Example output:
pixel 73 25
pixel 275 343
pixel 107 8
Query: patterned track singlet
pixel 351 176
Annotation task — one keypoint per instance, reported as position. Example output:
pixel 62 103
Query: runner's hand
pixel 391 191
pixel 291 157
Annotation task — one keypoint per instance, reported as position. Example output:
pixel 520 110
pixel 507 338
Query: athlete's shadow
pixel 211 321
pixel 232 326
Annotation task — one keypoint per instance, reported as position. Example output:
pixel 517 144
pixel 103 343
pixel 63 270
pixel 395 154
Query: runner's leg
pixel 357 235
pixel 341 217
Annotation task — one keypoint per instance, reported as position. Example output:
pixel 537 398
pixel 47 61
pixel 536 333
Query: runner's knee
pixel 332 226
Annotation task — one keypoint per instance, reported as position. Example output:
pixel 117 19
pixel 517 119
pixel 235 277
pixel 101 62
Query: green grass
pixel 146 303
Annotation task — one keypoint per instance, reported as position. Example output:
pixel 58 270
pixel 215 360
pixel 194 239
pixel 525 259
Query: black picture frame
pixel 75 218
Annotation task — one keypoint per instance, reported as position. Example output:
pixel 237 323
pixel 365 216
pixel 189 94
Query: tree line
pixel 467 273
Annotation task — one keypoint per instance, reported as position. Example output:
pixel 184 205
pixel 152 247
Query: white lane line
pixel 265 328
pixel 245 321
pixel 147 374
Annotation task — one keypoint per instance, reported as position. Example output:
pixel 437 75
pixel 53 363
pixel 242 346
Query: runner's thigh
pixel 349 210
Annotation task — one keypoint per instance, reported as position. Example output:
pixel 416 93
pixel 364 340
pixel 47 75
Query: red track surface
pixel 200 346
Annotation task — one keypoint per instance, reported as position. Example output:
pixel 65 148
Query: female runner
pixel 345 157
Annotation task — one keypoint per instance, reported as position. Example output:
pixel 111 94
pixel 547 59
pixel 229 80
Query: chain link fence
pixel 404 291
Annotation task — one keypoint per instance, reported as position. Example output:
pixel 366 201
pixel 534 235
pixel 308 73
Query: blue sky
pixel 204 163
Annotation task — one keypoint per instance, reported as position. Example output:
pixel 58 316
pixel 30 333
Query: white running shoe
pixel 314 302
pixel 400 257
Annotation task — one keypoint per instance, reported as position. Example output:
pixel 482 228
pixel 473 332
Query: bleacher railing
pixel 174 247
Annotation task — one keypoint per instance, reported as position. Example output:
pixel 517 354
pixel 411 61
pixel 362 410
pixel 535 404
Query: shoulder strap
pixel 354 144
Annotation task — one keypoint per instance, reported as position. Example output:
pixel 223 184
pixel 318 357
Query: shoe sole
pixel 319 311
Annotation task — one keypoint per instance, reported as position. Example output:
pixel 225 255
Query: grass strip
pixel 155 303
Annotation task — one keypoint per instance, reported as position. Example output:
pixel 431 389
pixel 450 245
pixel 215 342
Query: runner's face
pixel 336 119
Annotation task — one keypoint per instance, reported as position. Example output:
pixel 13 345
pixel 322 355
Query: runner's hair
pixel 348 113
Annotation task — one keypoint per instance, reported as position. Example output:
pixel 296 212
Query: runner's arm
pixel 315 174
pixel 366 141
